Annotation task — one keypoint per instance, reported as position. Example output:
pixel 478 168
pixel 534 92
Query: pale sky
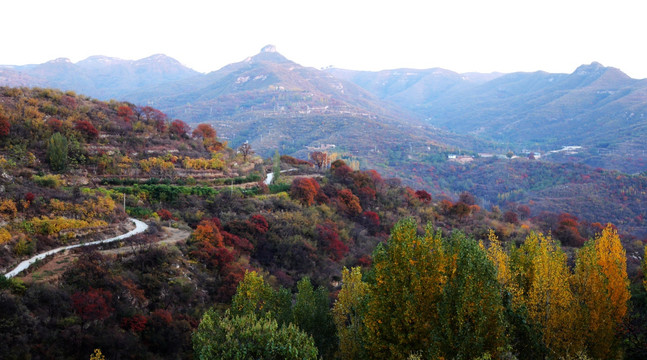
pixel 459 35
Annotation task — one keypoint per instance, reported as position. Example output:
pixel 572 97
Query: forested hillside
pixel 326 261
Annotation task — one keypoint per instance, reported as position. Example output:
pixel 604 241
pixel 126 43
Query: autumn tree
pixel 348 202
pixel 5 126
pixel 57 149
pixel 125 112
pixel 319 158
pixel 179 128
pixel 543 279
pixel 423 196
pixel 348 313
pixel 602 288
pixel 93 304
pixel 304 190
pixel 245 150
pixel 409 275
pixel 204 132
pixel 87 129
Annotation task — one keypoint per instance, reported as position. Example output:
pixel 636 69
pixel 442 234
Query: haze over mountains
pixel 273 102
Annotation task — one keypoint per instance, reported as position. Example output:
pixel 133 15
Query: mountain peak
pixel 60 60
pixel 268 54
pixel 588 69
pixel 268 49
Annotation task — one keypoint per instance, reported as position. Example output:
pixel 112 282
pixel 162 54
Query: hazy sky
pixel 460 35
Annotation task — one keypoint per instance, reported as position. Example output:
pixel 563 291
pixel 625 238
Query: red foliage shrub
pixel 348 202
pixel 237 242
pixel 179 128
pixel 304 190
pixel 511 217
pixel 165 214
pixel 125 112
pixel 366 193
pixel 5 126
pixel 164 316
pixel 87 129
pixel 446 205
pixel 567 230
pixel 259 223
pixel 371 218
pixel 204 131
pixel 329 237
pixel 423 196
pixel 55 124
pixel 30 197
pixel 136 323
pixel 93 304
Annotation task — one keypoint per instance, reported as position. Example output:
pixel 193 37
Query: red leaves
pixel 260 223
pixel 165 214
pixel 423 196
pixel 87 129
pixel 125 112
pixel 204 131
pixel 305 190
pixel 348 202
pixel 567 230
pixel 164 316
pixel 179 128
pixel 371 218
pixel 5 126
pixel 93 304
pixel 329 237
pixel 135 323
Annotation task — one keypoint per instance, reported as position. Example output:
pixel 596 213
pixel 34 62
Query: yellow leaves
pixel 602 287
pixel 155 163
pixel 50 226
pixel 97 355
pixel 5 236
pixel 215 163
pixel 8 208
pixel 612 259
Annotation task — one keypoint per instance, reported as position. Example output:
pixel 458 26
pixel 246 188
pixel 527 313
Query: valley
pixel 351 189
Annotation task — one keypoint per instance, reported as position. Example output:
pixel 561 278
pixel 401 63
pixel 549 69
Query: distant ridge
pixel 99 76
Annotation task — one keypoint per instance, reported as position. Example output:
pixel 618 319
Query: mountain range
pixel 412 124
pixel 273 102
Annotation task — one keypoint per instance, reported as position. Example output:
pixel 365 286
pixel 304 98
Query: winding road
pixel 140 227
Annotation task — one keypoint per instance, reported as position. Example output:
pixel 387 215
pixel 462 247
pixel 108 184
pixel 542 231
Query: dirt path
pixel 56 265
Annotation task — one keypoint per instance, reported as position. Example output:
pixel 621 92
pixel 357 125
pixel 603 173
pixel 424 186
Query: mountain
pixel 98 76
pixel 599 108
pixel 275 103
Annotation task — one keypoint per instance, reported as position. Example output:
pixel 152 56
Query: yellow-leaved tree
pixel 409 277
pixel 348 313
pixel 543 279
pixel 602 289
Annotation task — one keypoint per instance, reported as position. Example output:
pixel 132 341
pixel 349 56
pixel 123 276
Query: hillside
pixel 222 243
pixel 597 107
